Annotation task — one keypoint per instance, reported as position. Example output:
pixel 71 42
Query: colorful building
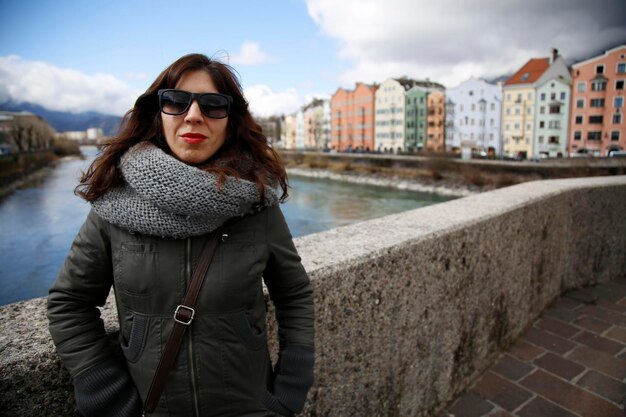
pixel 435 129
pixel 317 124
pixel 518 106
pixel 597 125
pixel 288 132
pixel 390 115
pixel 416 118
pixel 473 111
pixel 552 110
pixel 352 120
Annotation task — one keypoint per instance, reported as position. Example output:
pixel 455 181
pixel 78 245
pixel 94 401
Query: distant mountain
pixel 65 121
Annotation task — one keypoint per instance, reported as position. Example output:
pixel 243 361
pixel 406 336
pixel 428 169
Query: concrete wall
pixel 413 306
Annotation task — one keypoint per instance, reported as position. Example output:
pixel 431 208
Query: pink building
pixel 597 124
pixel 352 118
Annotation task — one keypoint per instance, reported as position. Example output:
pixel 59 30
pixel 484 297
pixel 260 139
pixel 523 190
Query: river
pixel 38 224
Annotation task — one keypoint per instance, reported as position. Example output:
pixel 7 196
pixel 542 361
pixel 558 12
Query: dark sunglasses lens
pixel 214 105
pixel 175 102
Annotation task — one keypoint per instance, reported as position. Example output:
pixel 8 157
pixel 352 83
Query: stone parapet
pixel 411 307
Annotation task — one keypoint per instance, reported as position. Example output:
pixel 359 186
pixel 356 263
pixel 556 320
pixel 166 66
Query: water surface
pixel 39 223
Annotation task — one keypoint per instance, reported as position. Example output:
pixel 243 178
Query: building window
pixel 600 69
pixel 555 108
pixel 595 120
pixel 552 96
pixel 617 118
pixel 542 110
pixel 578 120
pixel 542 124
pixel 581 86
pixel 553 140
pixel 577 135
pixel 594 135
pixel 563 95
pixel 619 84
pixel 540 139
pixel 618 101
pixel 615 135
pixel 580 103
pixel 598 86
pixel 493 106
pixel 621 68
pixel 543 96
pixel 597 102
pixel 554 124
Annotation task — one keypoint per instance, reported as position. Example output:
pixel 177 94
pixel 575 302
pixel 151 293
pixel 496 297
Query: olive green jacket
pixel 223 366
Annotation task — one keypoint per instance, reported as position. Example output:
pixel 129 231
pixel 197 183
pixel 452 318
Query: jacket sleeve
pixel 102 386
pixel 288 285
pixel 292 295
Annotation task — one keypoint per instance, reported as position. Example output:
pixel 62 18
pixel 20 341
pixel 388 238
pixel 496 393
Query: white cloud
pixel 448 41
pixel 265 102
pixel 250 53
pixel 63 89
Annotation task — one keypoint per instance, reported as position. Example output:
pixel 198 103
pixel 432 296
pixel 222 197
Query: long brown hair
pixel 245 154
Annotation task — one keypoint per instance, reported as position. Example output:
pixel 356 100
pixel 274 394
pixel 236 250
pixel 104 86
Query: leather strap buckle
pixel 184 315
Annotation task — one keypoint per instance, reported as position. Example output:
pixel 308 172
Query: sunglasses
pixel 177 102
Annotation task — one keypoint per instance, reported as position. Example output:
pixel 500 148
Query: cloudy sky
pixel 100 55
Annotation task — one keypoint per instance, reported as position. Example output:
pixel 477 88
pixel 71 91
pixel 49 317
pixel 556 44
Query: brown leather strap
pixel 183 317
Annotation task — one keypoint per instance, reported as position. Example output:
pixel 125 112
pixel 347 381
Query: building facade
pixel 390 115
pixel 416 118
pixel 288 132
pixel 352 120
pixel 518 105
pixel 316 124
pixel 597 124
pixel 552 110
pixel 435 129
pixel 473 111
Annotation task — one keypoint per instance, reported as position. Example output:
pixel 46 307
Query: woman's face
pixel 193 137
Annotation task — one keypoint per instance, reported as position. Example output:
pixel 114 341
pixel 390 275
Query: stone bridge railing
pixel 410 307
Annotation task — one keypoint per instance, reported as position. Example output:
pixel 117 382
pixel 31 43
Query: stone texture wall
pixel 409 307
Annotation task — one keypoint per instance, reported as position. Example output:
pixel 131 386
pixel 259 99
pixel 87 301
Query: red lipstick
pixel 193 138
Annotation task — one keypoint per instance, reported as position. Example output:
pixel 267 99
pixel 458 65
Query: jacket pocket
pixel 251 337
pixel 136 268
pixel 133 348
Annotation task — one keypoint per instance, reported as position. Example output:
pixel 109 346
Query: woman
pixel 189 161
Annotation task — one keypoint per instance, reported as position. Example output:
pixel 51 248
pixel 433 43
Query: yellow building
pixel 518 108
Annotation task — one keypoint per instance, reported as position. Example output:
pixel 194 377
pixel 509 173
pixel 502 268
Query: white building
pixel 389 119
pixel 552 109
pixel 326 111
pixel 94 133
pixel 300 128
pixel 473 116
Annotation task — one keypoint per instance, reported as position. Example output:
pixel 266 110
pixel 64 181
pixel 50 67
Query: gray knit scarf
pixel 163 196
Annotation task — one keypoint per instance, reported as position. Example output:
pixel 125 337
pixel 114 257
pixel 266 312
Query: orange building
pixel 597 124
pixel 436 116
pixel 352 118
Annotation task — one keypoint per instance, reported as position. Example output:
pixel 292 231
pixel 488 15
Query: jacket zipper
pixel 192 369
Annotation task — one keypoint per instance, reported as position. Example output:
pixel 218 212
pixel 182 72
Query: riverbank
pixel 446 176
pixel 21 174
pixel 446 188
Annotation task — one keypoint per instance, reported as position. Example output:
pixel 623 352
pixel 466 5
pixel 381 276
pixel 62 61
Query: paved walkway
pixel 571 363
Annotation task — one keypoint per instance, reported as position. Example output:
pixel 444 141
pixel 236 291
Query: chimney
pixel 554 56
